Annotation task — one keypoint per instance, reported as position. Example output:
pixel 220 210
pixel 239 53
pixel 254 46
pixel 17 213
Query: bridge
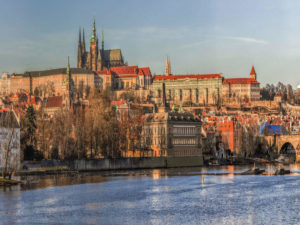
pixel 282 142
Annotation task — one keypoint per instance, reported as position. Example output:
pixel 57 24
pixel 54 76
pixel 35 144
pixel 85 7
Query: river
pixel 173 196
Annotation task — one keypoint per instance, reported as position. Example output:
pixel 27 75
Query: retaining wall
pixel 122 163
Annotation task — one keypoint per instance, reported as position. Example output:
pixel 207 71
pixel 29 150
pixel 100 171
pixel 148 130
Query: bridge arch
pixel 288 152
pixel 287 148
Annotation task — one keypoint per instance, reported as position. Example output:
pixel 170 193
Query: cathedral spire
pixel 83 40
pixel 79 39
pixel 168 67
pixel 94 36
pixel 102 40
pixel 79 51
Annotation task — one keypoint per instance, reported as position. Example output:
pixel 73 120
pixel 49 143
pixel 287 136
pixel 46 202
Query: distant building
pixel 231 135
pixel 241 89
pixel 52 82
pixel 172 134
pixel 5 84
pixel 199 89
pixel 97 59
pixel 124 78
pixel 53 104
pixel 272 129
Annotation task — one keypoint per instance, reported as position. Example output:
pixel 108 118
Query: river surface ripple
pixel 178 196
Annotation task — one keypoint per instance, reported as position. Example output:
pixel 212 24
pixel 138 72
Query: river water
pixel 173 196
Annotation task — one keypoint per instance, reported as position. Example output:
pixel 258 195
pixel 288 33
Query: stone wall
pixel 119 164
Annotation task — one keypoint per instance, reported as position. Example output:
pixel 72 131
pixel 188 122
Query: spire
pixel 83 41
pixel 102 40
pixel 67 82
pixel 253 73
pixel 68 67
pixel 168 67
pixel 79 39
pixel 79 51
pixel 94 36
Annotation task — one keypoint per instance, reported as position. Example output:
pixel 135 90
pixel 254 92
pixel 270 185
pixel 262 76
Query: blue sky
pixel 200 36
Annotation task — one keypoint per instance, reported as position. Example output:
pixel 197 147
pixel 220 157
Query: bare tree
pixel 9 143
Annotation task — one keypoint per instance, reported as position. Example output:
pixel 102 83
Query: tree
pixel 28 132
pixel 9 143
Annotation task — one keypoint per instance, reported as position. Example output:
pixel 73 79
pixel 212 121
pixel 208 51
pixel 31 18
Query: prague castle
pixel 101 68
pixel 97 59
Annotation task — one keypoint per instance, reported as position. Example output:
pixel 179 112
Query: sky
pixel 199 36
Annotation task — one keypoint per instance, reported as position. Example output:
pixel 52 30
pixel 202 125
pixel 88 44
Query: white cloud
pixel 248 39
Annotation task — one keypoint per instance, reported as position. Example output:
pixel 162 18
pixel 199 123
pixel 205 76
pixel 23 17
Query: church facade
pixel 97 59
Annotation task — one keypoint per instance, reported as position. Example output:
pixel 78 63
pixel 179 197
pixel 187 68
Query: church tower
pixel 100 62
pixel 168 67
pixel 253 73
pixel 96 58
pixel 79 54
pixel 94 49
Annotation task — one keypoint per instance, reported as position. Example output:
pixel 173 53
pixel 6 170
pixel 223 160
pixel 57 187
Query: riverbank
pixel 90 165
pixel 53 167
pixel 8 182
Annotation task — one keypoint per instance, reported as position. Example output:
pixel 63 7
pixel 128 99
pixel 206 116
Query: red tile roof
pixel 126 70
pixel 144 71
pixel 240 81
pixel 54 101
pixel 189 76
pixel 118 103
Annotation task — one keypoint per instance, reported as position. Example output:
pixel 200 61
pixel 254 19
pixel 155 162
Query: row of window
pixel 184 141
pixel 184 131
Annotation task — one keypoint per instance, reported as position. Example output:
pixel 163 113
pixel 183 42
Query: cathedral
pixel 97 59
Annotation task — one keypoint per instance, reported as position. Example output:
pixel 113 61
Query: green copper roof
pixel 94 37
pixel 68 67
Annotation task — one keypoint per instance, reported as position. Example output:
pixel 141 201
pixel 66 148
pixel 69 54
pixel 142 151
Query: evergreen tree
pixel 28 133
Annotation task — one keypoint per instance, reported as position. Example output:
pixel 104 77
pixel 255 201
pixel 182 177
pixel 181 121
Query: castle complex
pixel 101 68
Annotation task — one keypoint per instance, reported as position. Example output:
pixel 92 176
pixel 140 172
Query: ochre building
pixel 241 89
pixel 196 89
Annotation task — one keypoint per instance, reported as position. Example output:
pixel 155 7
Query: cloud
pixel 247 39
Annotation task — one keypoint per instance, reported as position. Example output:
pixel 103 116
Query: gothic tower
pixel 253 73
pixel 96 58
pixel 168 67
pixel 94 49
pixel 79 54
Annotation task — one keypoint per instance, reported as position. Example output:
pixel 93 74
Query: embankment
pixel 49 166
